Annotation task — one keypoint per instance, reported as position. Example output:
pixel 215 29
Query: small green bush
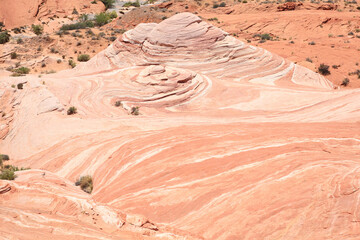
pixel 113 15
pixel 79 25
pixel 108 3
pixel 134 4
pixel 135 111
pixel 345 82
pixel 37 29
pixel 83 58
pixel 7 174
pixel 4 157
pixel 71 110
pixel 118 104
pixel 265 36
pixel 85 183
pixel 13 55
pixel 72 63
pixel 222 4
pixel 20 86
pixel 324 69
pixel 20 71
pixel 102 19
pixel 4 37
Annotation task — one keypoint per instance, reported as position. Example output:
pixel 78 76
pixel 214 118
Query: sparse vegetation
pixel 324 69
pixel 79 25
pixel 20 71
pixel 20 86
pixel 4 37
pixel 345 82
pixel 357 72
pixel 134 4
pixel 72 110
pixel 108 3
pixel 72 63
pixel 118 103
pixel 85 183
pixel 13 55
pixel 102 19
pixel 312 43
pixel 8 171
pixel 83 58
pixel 135 111
pixel 37 29
pixel 7 174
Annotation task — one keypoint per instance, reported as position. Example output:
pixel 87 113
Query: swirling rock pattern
pixel 232 142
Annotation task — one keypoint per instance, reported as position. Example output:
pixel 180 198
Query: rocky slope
pixel 231 141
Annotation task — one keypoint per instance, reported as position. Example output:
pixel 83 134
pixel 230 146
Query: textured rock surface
pixel 232 142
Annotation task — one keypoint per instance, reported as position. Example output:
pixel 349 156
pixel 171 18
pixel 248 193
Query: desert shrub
pixel 357 72
pixel 335 66
pixel 113 14
pixel 20 86
pixel 309 60
pixel 15 168
pixel 83 58
pixel 345 82
pixel 72 63
pixel 19 41
pixel 4 37
pixel 79 25
pixel 265 36
pixel 213 19
pixel 72 110
pixel 324 69
pixel 134 4
pixel 135 111
pixel 102 19
pixel 37 29
pixel 75 12
pixel 7 174
pixel 112 39
pixel 58 61
pixel 21 71
pixel 118 104
pixel 13 55
pixel 85 183
pixel 312 43
pixel 215 5
pixel 108 3
pixel 4 157
pixel 223 4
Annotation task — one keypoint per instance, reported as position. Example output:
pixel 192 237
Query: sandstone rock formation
pixel 231 141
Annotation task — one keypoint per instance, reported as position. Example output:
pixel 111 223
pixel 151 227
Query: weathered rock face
pixel 289 6
pixel 230 141
pixel 23 12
